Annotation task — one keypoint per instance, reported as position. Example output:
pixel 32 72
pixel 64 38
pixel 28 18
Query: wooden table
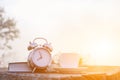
pixel 93 73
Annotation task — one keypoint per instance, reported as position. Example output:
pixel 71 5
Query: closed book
pixel 19 67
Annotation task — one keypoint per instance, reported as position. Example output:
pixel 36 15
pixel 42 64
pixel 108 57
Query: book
pixel 19 67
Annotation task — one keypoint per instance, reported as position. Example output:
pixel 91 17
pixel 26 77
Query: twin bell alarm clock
pixel 40 55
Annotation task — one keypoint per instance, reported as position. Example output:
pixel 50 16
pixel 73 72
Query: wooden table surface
pixel 92 73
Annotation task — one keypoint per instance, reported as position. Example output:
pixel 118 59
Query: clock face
pixel 41 57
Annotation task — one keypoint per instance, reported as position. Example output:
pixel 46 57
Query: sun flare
pixel 101 51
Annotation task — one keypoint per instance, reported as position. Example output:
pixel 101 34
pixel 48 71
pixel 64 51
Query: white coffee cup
pixel 69 60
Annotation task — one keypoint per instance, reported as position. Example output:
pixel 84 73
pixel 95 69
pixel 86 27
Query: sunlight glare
pixel 102 51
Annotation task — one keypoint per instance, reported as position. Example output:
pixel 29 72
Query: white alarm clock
pixel 40 56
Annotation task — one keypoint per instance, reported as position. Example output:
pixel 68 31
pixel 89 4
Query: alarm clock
pixel 40 55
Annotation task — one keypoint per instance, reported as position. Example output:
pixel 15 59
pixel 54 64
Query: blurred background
pixel 88 27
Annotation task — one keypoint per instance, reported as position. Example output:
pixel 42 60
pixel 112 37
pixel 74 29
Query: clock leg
pixel 34 69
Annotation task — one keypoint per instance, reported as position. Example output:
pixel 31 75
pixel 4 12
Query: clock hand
pixel 40 56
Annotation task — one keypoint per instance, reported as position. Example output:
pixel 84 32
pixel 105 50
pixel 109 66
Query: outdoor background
pixel 88 27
